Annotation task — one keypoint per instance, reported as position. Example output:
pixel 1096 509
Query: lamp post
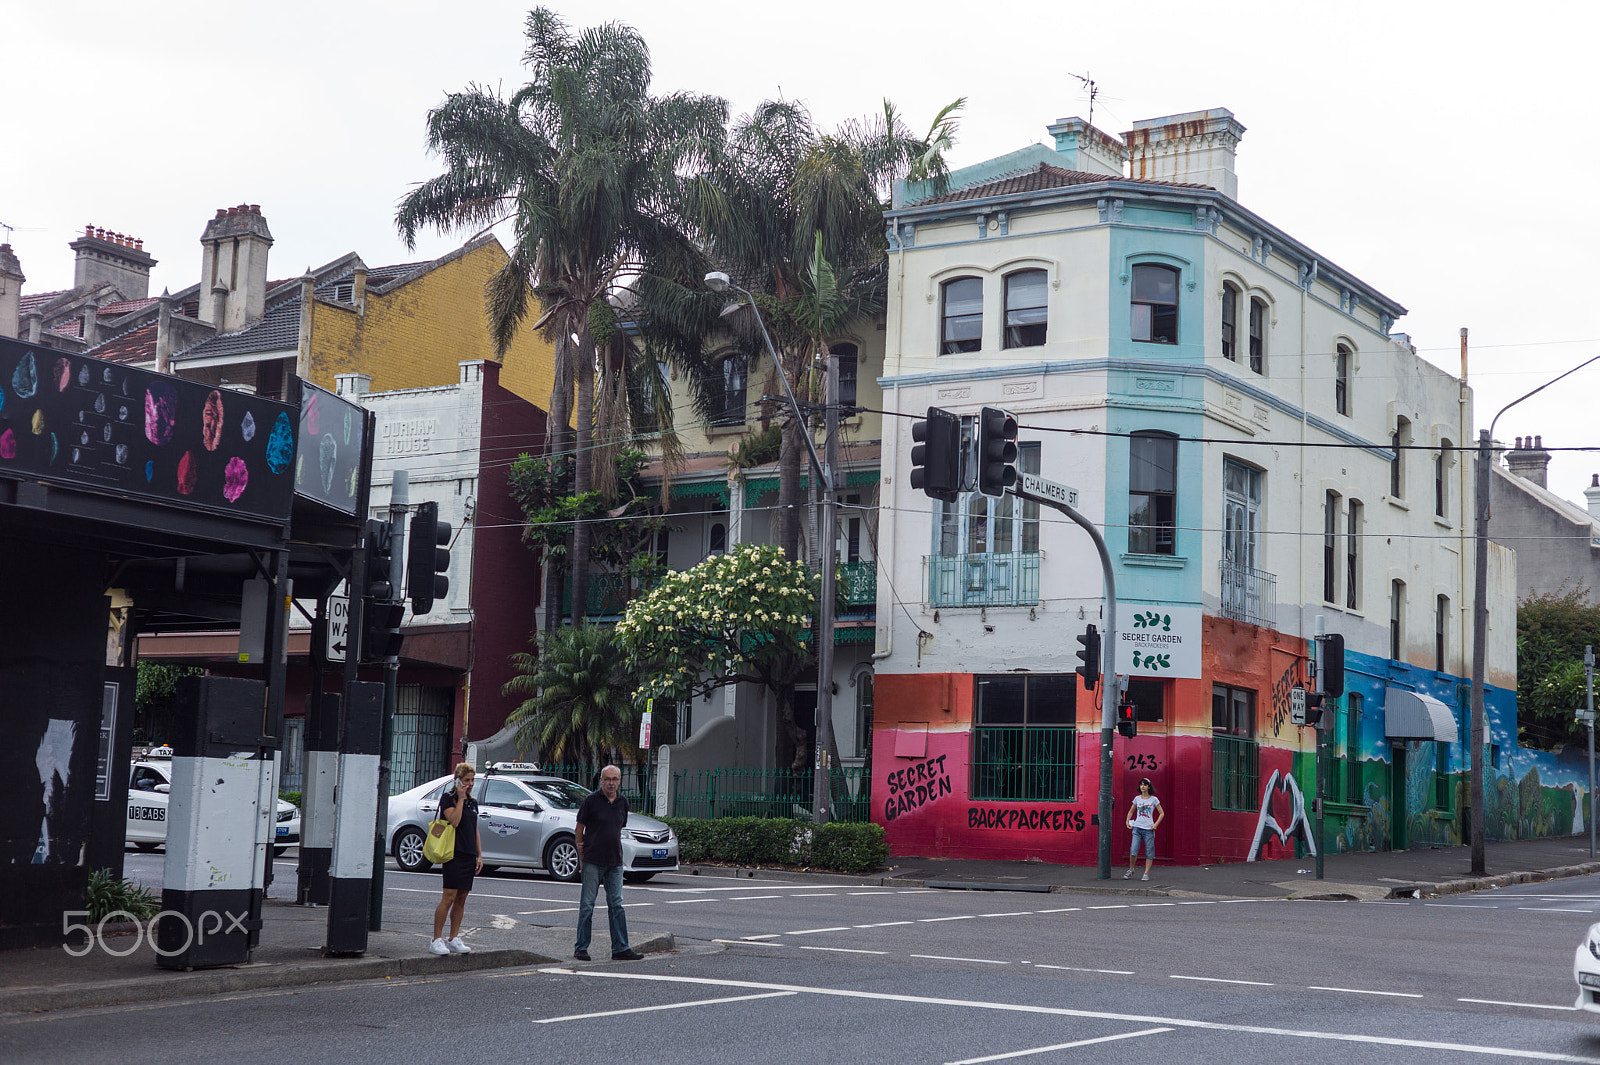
pixel 821 793
pixel 1480 611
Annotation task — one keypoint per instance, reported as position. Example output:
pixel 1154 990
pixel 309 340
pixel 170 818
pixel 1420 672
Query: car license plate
pixel 658 852
pixel 1589 979
pixel 283 830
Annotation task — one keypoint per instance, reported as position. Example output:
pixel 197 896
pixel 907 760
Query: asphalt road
pixel 810 972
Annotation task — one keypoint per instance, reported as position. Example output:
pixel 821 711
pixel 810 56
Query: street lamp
pixel 821 793
pixel 1480 612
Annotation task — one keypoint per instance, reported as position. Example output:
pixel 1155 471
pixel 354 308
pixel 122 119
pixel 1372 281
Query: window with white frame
pixel 1230 321
pixel 1027 313
pixel 1258 336
pixel 977 524
pixel 961 314
pixel 1155 303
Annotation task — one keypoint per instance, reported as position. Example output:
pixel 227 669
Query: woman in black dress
pixel 458 807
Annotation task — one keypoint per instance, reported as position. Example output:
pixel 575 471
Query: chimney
pixel 11 280
pixel 234 257
pixel 1085 148
pixel 352 384
pixel 358 290
pixel 302 361
pixel 1592 495
pixel 1529 460
pixel 112 257
pixel 1196 148
pixel 164 334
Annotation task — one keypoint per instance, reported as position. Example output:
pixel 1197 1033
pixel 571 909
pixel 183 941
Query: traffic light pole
pixel 1110 692
pixel 399 502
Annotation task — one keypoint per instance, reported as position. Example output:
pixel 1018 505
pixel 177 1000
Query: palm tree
pixel 579 704
pixel 587 165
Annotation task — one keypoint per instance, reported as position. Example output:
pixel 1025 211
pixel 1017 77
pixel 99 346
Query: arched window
pixel 849 362
pixel 962 313
pixel 1027 315
pixel 717 541
pixel 1152 493
pixel 1230 321
pixel 1155 303
pixel 1258 336
pixel 1341 380
pixel 734 398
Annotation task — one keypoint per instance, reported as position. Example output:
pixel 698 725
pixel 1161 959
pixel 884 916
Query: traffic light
pixel 1315 701
pixel 427 558
pixel 1090 657
pixel 936 456
pixel 1331 667
pixel 1126 724
pixel 997 451
pixel 381 611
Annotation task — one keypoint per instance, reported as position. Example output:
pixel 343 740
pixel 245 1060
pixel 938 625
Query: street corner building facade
pixel 1263 453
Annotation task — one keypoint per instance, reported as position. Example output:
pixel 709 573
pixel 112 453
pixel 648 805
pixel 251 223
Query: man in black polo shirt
pixel 599 842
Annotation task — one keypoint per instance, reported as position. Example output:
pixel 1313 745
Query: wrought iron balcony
pixel 981 579
pixel 1249 595
pixel 858 583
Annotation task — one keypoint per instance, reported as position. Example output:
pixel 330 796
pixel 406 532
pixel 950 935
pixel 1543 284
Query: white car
pixel 1586 970
pixel 150 784
pixel 528 820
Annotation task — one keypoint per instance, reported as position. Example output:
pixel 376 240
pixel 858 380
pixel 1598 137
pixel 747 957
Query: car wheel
pixel 637 878
pixel 561 858
pixel 408 850
pixel 146 846
pixel 279 852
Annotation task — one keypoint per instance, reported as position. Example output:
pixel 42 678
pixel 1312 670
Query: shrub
pixel 108 895
pixel 290 796
pixel 841 846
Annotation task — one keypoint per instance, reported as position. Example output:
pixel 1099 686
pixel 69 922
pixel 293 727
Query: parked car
pixel 150 784
pixel 526 820
pixel 1586 970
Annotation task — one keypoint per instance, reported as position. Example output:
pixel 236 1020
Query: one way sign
pixel 338 627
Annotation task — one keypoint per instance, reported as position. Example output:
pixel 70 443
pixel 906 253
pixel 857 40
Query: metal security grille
pixel 1234 772
pixel 421 736
pixel 1033 764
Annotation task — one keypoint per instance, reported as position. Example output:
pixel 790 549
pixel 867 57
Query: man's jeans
pixel 592 876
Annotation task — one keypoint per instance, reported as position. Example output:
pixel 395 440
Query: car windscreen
pixel 563 794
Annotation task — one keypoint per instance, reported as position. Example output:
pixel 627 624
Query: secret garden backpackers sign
pixel 1158 640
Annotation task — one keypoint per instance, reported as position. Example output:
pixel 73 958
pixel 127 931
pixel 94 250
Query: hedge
pixel 846 847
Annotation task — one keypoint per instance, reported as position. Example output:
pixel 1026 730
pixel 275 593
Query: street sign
pixel 1297 706
pixel 338 627
pixel 644 730
pixel 1050 491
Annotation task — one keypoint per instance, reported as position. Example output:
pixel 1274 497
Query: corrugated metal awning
pixel 1409 715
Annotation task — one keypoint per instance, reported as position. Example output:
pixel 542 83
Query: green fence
pixel 1235 771
pixel 639 793
pixel 731 791
pixel 1030 764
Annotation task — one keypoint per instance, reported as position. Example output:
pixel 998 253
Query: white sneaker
pixel 1128 875
pixel 1144 877
pixel 438 946
pixel 458 947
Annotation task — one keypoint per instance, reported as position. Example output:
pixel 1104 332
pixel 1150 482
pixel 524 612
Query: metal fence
pixel 735 791
pixel 982 579
pixel 1249 595
pixel 639 793
pixel 1235 770
pixel 1029 764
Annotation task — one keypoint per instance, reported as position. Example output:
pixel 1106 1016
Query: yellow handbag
pixel 440 846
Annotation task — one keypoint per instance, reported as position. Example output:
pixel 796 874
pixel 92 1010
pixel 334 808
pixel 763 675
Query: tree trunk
pixel 558 436
pixel 582 472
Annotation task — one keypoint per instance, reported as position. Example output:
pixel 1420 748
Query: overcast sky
pixel 1443 153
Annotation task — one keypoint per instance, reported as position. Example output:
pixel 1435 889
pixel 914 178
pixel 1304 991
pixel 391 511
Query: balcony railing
pixel 858 583
pixel 1249 595
pixel 981 579
pixel 609 593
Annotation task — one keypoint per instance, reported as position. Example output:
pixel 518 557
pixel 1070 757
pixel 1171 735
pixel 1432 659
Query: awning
pixel 1409 715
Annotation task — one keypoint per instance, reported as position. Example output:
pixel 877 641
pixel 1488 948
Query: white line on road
pixel 846 950
pixel 1461 905
pixel 752 898
pixel 1520 1005
pixel 1060 1046
pixel 1147 905
pixel 768 935
pixel 558 909
pixel 1118 906
pixel 944 957
pixel 936 920
pixel 814 931
pixel 1200 902
pixel 667 1006
pixel 684 902
pixel 1359 991
pixel 747 943
pixel 475 894
pixel 1064 909
pixel 884 924
pixel 1013 913
pixel 1063 1011
pixel 880 891
pixel 816 895
pixel 1550 909
pixel 1220 980
pixel 1076 969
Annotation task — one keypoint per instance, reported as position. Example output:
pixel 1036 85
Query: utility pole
pixel 822 771
pixel 399 503
pixel 1321 783
pixel 1588 683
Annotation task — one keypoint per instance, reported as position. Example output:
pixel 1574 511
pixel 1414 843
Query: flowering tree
pixel 734 617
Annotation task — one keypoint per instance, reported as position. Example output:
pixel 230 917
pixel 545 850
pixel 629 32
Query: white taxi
pixel 149 788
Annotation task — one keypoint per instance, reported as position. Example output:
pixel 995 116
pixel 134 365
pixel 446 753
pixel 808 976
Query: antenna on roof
pixel 1094 90
pixel 9 230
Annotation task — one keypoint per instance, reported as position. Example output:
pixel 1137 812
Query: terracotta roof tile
pixel 136 345
pixel 35 300
pixel 121 307
pixel 1038 179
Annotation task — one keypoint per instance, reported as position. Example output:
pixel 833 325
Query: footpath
pixel 290 953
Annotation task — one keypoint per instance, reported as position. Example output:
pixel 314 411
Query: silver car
pixel 526 821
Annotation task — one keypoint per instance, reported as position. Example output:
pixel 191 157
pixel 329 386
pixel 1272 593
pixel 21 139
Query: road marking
pixel 684 902
pixel 817 895
pixel 768 935
pixel 653 1009
pixel 1066 909
pixel 752 898
pixel 1550 909
pixel 878 892
pixel 475 894
pixel 1118 906
pixel 747 943
pixel 1064 1011
pixel 845 950
pixel 884 924
pixel 1359 991
pixel 1147 905
pixel 1461 905
pixel 935 920
pixel 1220 980
pixel 559 909
pixel 1060 1046
pixel 1521 1005
pixel 943 957
pixel 1076 969
pixel 1201 902
pixel 814 931
pixel 914 891
pixel 1013 913
pixel 504 922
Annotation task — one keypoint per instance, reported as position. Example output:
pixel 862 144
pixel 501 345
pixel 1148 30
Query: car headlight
pixel 1594 945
